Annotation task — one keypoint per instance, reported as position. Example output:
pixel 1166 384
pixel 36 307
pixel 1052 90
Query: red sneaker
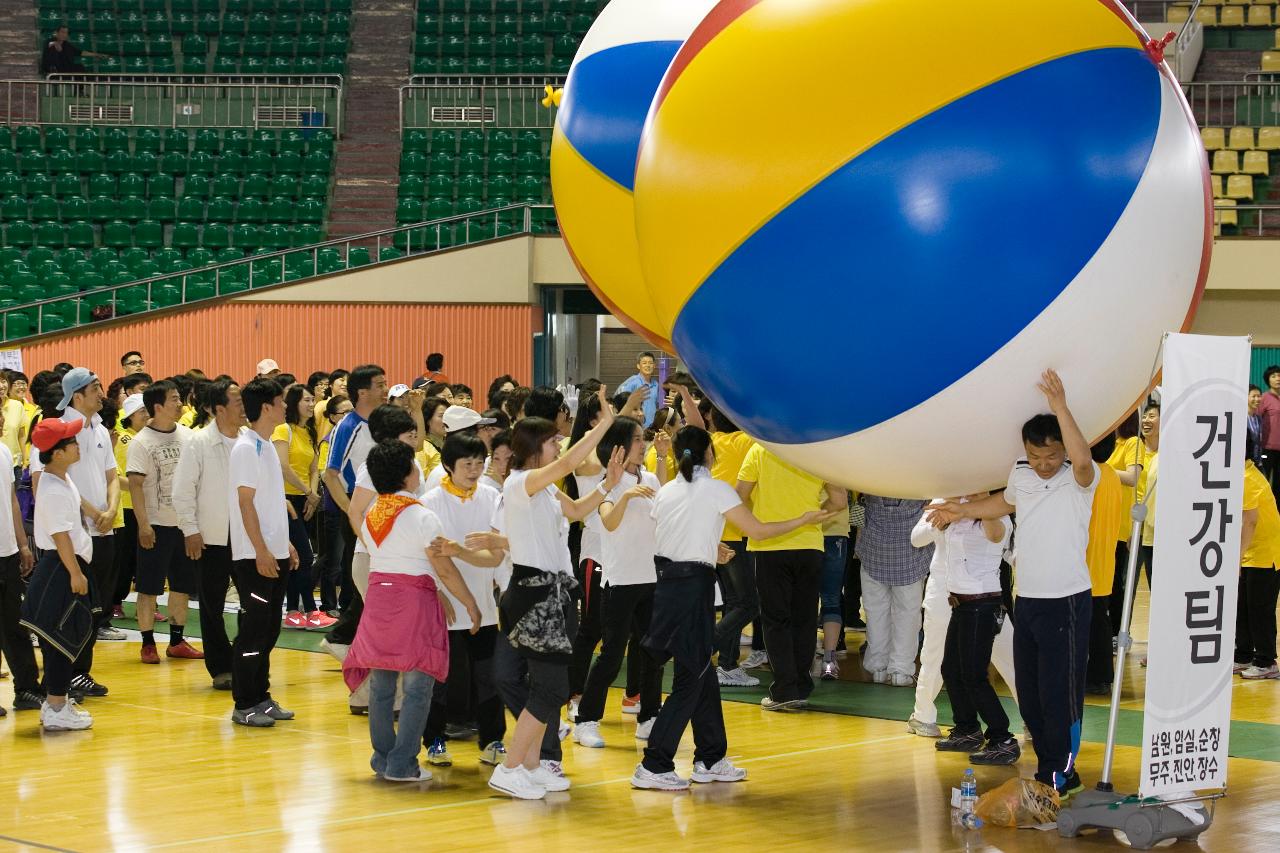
pixel 160 617
pixel 318 620
pixel 183 650
pixel 631 704
pixel 117 612
pixel 294 619
pixel 149 654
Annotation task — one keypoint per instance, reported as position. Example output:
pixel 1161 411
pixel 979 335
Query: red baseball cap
pixel 50 431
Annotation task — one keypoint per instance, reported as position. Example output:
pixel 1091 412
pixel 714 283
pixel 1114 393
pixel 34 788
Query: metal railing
pixel 1249 220
pixel 170 104
pixel 280 267
pixel 461 102
pixel 196 79
pixel 1229 103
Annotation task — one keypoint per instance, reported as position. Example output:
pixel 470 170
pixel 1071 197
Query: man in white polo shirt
pixel 1051 490
pixel 261 553
pixel 95 479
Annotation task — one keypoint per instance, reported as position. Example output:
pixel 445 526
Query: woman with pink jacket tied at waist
pixel 403 628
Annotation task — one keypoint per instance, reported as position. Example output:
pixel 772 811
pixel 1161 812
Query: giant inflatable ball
pixel 869 226
pixel 611 83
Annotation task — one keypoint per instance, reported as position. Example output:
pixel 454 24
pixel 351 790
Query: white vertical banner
pixel 1199 500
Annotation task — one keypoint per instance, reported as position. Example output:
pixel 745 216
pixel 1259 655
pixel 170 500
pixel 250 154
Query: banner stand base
pixel 1144 825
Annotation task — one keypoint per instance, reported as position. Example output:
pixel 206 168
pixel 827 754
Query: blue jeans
pixel 395 752
pixel 837 554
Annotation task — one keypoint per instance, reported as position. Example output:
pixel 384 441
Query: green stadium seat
pixel 289 162
pixel 132 208
pixel 149 234
pixel 161 183
pixel 27 138
pixel 73 207
pixel 89 160
pixel 225 184
pixel 117 234
pixel 38 183
pixel 411 186
pixel 314 184
pixel 246 236
pixel 201 257
pixel 34 161
pixel 132 183
pixel 281 209
pixel 221 209
pixel 66 185
pixel 260 161
pixel 306 235
pixel 438 208
pixel 470 185
pixel 186 235
pixel 236 139
pixel 80 234
pixel 162 208
pixel 284 185
pixel 256 185
pixel 55 138
pixel 208 140
pixel 44 208
pixel 231 163
pixel 216 236
pixel 194 64
pixel 191 208
pixel 118 162
pixel 251 210
pixel 409 211
pixel 201 163
pixel 196 185
pixel 51 234
pixel 166 258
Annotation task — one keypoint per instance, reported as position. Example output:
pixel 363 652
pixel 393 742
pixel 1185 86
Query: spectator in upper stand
pixel 131 362
pixel 435 368
pixel 61 56
pixel 646 367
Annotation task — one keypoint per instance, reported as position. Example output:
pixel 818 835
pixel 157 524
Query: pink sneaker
pixel 318 620
pixel 294 619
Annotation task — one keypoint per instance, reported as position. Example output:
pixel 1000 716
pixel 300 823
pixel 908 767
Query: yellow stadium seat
pixel 1271 60
pixel 1211 3
pixel 1269 138
pixel 1213 138
pixel 1224 212
pixel 1231 16
pixel 1240 187
pixel 1207 16
pixel 1241 139
pixel 1177 15
pixel 1259 16
pixel 1278 38
pixel 1215 181
pixel 1256 163
pixel 1226 162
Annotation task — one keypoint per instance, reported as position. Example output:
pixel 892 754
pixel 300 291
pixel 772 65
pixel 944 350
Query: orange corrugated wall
pixel 479 341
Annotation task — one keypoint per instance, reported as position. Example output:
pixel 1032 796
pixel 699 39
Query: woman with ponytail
pixel 691 512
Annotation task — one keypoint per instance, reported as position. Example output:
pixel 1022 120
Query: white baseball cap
pixel 460 417
pixel 266 366
pixel 397 391
pixel 131 405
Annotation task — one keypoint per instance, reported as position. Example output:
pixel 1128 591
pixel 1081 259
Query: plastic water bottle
pixel 968 796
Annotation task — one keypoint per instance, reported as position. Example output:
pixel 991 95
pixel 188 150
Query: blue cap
pixel 76 379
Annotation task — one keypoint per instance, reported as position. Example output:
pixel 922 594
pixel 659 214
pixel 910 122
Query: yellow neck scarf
pixel 463 495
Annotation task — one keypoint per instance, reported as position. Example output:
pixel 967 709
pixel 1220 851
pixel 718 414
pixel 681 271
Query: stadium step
pixel 368 155
pixel 19 58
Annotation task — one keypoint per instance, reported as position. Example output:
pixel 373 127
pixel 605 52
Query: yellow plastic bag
pixel 1019 802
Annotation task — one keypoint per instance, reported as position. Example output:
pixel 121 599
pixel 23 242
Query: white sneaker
pixel 670 781
pixel 756 659
pixel 65 719
pixel 898 679
pixel 880 676
pixel 516 782
pixel 565 728
pixel 1260 672
pixel 588 734
pixel 111 634
pixel 736 677
pixel 722 771
pixel 916 727
pixel 643 729
pixel 338 650
pixel 550 775
pixel 744 639
pixel 573 710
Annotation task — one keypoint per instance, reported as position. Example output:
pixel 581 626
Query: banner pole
pixel 1123 640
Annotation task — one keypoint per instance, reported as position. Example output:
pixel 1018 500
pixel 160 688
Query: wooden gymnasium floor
pixel 164 768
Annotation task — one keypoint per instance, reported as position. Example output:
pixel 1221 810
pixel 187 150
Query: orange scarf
pixel 382 517
pixel 460 493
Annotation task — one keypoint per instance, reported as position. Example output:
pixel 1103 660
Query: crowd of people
pixel 466 557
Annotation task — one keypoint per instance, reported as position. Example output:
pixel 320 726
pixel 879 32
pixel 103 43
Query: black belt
pixel 958 598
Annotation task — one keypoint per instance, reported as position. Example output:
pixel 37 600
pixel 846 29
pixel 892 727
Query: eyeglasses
pixel 134 362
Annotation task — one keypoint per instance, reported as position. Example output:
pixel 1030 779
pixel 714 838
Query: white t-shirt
pixel 97 456
pixel 404 551
pixel 458 517
pixel 973 560
pixel 629 549
pixel 1053 530
pixel 58 511
pixel 690 517
pixel 254 463
pixel 432 480
pixel 8 539
pixel 536 527
pixel 364 481
pixel 501 574
pixel 592 547
pixel 154 455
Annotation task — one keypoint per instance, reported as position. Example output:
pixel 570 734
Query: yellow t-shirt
pixel 301 454
pixel 1129 452
pixel 841 525
pixel 731 449
pixel 1150 475
pixel 1100 555
pixel 323 427
pixel 651 465
pixel 188 416
pixel 428 458
pixel 782 492
pixel 1264 550
pixel 123 437
pixel 15 420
